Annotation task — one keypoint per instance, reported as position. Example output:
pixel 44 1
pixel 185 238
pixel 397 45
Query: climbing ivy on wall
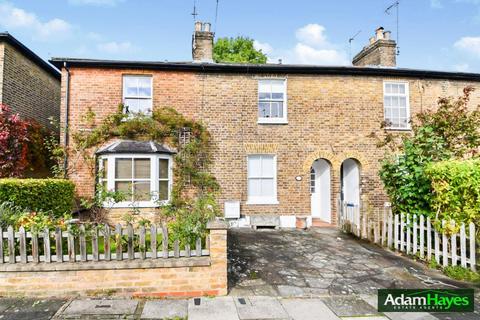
pixel 191 176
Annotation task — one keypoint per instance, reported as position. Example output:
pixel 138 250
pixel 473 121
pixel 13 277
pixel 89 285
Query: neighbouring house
pixel 290 141
pixel 28 84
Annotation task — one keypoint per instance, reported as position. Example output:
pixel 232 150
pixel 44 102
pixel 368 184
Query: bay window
pixel 144 180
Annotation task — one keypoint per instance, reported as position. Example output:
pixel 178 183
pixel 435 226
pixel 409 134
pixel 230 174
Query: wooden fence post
pixel 58 244
pixel 106 243
pixel 11 245
pixel 390 229
pixel 46 245
pixel 153 240
pixel 118 242
pixel 395 231
pixel 473 260
pixel 444 246
pixel 23 245
pixel 95 253
pixel 35 253
pixel 454 245
pixel 422 236
pixel 429 239
pixel 402 232
pixel 83 244
pixel 415 234
pixel 130 235
pixel 463 246
pixel 408 234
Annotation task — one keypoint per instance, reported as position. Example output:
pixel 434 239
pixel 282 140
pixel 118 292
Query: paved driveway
pixel 321 263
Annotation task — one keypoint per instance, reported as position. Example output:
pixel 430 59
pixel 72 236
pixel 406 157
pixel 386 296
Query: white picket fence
pixel 412 234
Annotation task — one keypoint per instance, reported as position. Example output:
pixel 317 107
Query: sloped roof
pixel 8 38
pixel 267 68
pixel 137 147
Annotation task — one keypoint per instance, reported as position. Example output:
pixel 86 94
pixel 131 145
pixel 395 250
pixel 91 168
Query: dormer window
pixel 137 94
pixel 272 101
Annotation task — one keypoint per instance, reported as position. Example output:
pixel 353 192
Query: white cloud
pixel 312 47
pixel 108 3
pixel 265 47
pixel 14 18
pixel 469 44
pixel 116 48
pixel 305 54
pixel 437 4
pixel 312 35
pixel 463 67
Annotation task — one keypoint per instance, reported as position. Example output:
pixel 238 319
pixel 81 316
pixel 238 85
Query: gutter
pixel 67 102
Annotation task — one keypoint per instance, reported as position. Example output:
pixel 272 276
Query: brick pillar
pixel 218 256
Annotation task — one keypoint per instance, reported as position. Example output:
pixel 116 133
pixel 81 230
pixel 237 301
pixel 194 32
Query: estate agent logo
pixel 425 300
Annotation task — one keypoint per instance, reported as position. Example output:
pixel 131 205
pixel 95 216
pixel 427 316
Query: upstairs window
pixel 137 94
pixel 272 101
pixel 396 105
pixel 262 179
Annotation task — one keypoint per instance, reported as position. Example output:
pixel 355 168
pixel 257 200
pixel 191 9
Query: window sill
pixel 399 129
pixel 262 202
pixel 272 121
pixel 130 205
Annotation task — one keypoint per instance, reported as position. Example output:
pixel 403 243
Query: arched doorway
pixel 350 184
pixel 320 190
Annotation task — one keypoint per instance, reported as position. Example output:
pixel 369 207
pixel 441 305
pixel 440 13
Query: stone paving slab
pixel 349 306
pixel 264 308
pixel 308 309
pixel 100 307
pixel 222 308
pixel 165 309
pixel 26 309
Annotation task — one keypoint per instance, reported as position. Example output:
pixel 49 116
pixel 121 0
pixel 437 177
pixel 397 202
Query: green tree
pixel 239 50
pixel 449 132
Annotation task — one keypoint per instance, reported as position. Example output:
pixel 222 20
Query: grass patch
pixel 461 273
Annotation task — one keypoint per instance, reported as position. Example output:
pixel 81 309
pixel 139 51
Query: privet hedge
pixel 42 195
pixel 456 190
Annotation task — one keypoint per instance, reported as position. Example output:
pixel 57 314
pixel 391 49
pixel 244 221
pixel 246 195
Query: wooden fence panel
pixel 83 246
pixel 406 233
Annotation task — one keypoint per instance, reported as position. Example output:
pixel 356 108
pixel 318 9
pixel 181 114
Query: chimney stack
pixel 381 51
pixel 202 42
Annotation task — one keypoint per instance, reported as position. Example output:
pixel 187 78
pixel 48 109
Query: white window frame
pixel 124 91
pixel 282 120
pixel 263 200
pixel 407 99
pixel 154 178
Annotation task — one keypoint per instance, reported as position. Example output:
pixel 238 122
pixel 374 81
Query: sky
pixel 433 34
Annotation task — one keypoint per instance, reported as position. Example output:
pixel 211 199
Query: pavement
pixel 315 274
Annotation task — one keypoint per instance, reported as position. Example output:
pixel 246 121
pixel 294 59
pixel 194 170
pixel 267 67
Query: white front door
pixel 320 190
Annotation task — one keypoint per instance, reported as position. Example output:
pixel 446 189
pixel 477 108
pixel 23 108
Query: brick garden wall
pixel 27 88
pixel 331 117
pixel 173 277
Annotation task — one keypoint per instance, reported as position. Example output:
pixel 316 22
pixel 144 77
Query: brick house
pixel 289 140
pixel 28 84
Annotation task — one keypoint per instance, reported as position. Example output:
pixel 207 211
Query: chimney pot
pixel 207 26
pixel 372 40
pixel 387 35
pixel 379 33
pixel 198 26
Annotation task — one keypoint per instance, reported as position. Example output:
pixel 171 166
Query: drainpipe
pixel 67 102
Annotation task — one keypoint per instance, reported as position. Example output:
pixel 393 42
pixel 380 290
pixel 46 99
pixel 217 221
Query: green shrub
pixel 456 190
pixel 42 195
